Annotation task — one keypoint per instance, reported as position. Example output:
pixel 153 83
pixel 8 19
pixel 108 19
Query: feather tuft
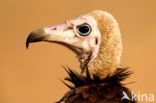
pixel 96 90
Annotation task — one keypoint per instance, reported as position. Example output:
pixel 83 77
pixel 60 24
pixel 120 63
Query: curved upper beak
pixel 37 35
pixel 59 33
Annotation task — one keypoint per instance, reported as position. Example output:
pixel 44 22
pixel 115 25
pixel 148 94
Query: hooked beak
pixel 35 36
pixel 62 34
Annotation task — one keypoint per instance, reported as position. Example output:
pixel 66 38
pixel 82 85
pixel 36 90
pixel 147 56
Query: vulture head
pixel 94 37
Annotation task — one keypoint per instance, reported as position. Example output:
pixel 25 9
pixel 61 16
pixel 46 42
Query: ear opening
pixel 96 41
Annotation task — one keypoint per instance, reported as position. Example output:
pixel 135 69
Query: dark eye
pixel 84 29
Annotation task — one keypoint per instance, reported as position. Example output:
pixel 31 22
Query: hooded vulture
pixel 96 40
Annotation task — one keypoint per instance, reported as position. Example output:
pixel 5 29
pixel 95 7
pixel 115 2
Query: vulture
pixel 96 40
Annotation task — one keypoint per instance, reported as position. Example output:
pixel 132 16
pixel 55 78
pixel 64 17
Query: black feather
pixel 95 90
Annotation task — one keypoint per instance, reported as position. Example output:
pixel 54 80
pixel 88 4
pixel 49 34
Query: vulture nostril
pixel 54 29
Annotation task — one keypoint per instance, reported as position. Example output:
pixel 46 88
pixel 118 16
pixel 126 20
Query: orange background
pixel 32 76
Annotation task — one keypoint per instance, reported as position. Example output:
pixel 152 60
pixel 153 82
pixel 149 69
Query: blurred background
pixel 33 76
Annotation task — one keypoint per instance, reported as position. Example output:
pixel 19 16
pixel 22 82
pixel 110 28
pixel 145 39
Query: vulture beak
pixel 61 34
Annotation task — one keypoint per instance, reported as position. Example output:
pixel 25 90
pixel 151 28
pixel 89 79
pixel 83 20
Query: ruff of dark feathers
pixel 95 90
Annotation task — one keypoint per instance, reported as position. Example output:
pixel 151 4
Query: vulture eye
pixel 84 29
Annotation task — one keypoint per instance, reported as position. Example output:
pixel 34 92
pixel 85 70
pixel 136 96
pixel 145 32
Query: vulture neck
pixel 107 59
